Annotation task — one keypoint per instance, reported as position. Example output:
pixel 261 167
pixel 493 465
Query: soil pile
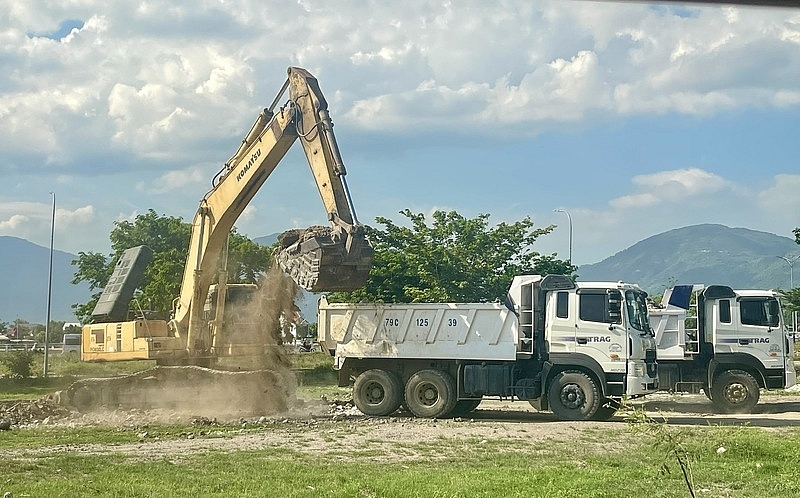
pixel 25 412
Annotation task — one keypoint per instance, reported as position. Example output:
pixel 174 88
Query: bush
pixel 18 363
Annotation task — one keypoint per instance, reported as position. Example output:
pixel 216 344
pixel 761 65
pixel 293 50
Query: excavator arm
pixel 318 259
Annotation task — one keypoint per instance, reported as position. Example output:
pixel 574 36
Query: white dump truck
pixel 727 343
pixel 575 348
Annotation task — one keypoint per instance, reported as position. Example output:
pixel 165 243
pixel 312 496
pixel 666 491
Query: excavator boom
pixel 334 258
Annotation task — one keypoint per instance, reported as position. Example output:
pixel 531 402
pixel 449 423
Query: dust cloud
pixel 252 376
pixel 254 332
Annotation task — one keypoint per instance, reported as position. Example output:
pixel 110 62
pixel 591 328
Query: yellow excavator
pixel 337 257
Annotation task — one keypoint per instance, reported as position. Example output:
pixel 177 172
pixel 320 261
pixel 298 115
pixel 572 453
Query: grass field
pixel 390 457
pixel 598 463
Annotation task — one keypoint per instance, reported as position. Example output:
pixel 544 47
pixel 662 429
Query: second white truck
pixel 728 343
pixel 574 348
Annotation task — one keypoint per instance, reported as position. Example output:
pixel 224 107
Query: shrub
pixel 18 363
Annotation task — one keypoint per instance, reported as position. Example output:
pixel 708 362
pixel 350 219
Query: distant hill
pixel 24 280
pixel 709 254
pixel 267 240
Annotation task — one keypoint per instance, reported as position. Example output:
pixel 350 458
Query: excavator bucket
pixel 324 259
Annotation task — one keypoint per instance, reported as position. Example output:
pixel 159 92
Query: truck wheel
pixel 734 391
pixel 377 393
pixel 430 394
pixel 606 410
pixel 464 406
pixel 573 396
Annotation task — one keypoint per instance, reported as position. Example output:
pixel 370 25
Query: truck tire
pixel 377 393
pixel 573 396
pixel 430 394
pixel 734 391
pixel 464 406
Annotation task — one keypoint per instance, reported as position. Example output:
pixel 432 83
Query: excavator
pixel 198 332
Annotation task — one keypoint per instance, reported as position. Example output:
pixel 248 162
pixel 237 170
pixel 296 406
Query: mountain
pixel 24 281
pixel 707 254
pixel 717 254
pixel 267 240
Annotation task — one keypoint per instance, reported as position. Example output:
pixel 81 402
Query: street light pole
pixel 791 262
pixel 570 230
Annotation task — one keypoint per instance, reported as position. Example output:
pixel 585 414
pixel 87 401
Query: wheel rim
pixel 374 393
pixel 427 394
pixel 572 396
pixel 735 393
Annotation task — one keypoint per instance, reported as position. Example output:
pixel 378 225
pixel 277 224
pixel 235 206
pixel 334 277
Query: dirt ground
pixel 337 427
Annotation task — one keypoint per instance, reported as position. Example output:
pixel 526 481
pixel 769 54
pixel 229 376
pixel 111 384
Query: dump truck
pixel 727 343
pixel 574 348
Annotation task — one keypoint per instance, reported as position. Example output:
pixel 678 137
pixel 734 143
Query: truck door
pixel 599 332
pixel 759 333
pixel 561 332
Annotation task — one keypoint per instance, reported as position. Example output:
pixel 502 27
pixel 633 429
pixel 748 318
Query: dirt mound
pixel 188 389
pixel 25 412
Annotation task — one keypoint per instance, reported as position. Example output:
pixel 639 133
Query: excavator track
pixel 323 259
pixel 191 389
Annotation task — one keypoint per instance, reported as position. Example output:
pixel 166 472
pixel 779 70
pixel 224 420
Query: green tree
pixel 791 297
pixel 168 237
pixel 55 332
pixel 791 300
pixel 452 259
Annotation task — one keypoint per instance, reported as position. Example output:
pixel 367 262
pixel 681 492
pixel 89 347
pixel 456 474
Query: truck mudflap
pixel 322 259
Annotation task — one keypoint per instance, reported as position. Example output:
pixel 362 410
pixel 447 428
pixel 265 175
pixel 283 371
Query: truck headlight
pixel 638 370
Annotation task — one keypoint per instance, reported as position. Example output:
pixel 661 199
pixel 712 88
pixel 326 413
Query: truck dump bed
pixel 474 331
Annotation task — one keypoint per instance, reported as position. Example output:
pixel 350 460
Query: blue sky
pixel 634 118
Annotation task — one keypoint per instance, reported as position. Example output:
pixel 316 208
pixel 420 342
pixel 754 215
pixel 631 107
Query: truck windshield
pixel 636 304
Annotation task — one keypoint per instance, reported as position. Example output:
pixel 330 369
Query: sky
pixel 634 118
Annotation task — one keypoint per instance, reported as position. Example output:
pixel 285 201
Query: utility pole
pixel 49 290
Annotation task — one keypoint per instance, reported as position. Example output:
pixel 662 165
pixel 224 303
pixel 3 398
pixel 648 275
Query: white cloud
pixel 249 214
pixel 675 185
pixel 157 87
pixel 782 197
pixel 13 223
pixel 33 221
pixel 143 93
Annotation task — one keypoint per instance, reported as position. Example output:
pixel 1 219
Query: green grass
pixel 611 463
pixel 615 462
pixel 59 365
